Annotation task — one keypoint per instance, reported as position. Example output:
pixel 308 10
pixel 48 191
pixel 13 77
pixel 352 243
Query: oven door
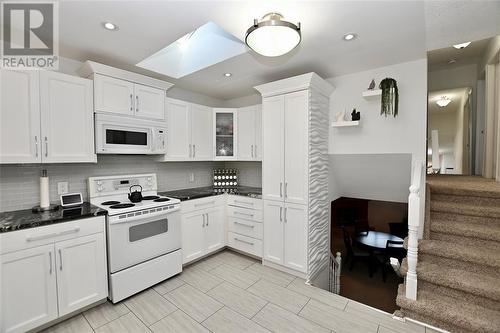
pixel 138 239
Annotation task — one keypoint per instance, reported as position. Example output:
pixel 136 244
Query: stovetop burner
pixel 150 197
pixel 108 203
pixel 161 200
pixel 122 205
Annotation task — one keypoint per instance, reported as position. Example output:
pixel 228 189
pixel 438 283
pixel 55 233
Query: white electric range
pixel 143 238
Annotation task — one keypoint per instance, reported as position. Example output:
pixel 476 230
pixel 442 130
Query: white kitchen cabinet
pixel 67 119
pixel 214 224
pixel 81 272
pixel 225 131
pixel 193 234
pixel 19 117
pixel 149 102
pixel 249 133
pixel 273 231
pixel 28 289
pixel 201 132
pixel 113 95
pixel 295 237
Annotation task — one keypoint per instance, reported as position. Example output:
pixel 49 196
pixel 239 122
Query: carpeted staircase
pixel 459 257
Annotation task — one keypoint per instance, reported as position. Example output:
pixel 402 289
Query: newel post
pixel 413 226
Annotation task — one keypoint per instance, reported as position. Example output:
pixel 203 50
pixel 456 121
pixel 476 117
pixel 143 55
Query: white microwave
pixel 123 135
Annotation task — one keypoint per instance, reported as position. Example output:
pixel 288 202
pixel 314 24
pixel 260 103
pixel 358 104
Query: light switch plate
pixel 62 188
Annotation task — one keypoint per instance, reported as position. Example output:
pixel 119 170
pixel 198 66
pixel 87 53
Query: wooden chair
pixel 353 252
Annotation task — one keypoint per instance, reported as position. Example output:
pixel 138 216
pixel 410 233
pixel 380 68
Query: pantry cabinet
pixel 46 117
pixel 250 133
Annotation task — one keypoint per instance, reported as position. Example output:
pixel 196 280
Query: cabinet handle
pixel 36 145
pixel 208 219
pixel 281 214
pixel 203 225
pixel 281 189
pixel 46 147
pixel 205 203
pixel 60 260
pixel 243 241
pixel 137 104
pixel 190 153
pixel 251 150
pixel 131 102
pixel 243 202
pixel 244 214
pixel 50 262
pixel 194 150
pixel 286 190
pixel 244 224
pixel 255 151
pixel 285 214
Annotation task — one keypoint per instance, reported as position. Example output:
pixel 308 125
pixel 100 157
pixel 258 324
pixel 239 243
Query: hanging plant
pixel 390 97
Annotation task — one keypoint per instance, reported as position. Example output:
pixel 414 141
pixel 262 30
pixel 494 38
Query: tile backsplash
pixel 19 184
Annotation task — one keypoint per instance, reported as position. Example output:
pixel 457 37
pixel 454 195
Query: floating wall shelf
pixel 345 123
pixel 372 94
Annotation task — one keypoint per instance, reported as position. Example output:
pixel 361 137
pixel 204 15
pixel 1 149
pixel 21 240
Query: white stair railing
pixel 335 268
pixel 414 211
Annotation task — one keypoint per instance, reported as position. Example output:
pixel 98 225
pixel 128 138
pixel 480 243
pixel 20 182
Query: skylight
pixel 201 48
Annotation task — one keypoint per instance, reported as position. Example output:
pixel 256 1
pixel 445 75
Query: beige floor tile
pixel 270 274
pixel 104 313
pixel 149 306
pixel 300 286
pixel 169 285
pixel 200 279
pixel 382 318
pixel 283 297
pixel 178 322
pixel 335 319
pixel 208 263
pixel 277 319
pixel 192 301
pixel 228 321
pixel 76 324
pixel 236 276
pixel 237 299
pixel 125 324
pixel 235 259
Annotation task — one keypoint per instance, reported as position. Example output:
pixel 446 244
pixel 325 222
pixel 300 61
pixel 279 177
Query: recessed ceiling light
pixel 227 74
pixel 461 45
pixel 110 26
pixel 349 36
pixel 443 101
pixel 452 61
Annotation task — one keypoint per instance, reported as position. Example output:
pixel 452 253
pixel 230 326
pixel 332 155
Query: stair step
pixel 461 228
pixel 483 285
pixel 450 310
pixel 455 217
pixel 479 256
pixel 468 241
pixel 466 200
pixel 432 321
pixel 463 209
pixel 461 185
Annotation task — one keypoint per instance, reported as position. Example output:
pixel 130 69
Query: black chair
pixel 393 249
pixel 353 252
pixel 399 229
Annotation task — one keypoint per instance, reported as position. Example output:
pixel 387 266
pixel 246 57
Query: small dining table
pixel 376 240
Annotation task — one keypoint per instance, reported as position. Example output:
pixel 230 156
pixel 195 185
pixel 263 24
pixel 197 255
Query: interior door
pixel 273 147
pixel 214 229
pixel 149 102
pixel 81 272
pixel 28 289
pixel 257 150
pixel 246 133
pixel 193 236
pixel 273 231
pixel 295 236
pixel 179 130
pixel 67 118
pixel 19 117
pixel 113 95
pixel 201 132
pixel 296 147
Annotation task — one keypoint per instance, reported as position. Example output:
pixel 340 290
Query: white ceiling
pixel 472 54
pixel 389 32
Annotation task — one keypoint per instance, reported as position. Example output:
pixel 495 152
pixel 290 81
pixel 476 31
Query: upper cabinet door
pixel 149 102
pixel 178 130
pixel 114 95
pixel 295 236
pixel 67 118
pixel 201 132
pixel 273 154
pixel 19 117
pixel 28 289
pixel 257 150
pixel 81 272
pixel 296 147
pixel 246 133
pixel 225 134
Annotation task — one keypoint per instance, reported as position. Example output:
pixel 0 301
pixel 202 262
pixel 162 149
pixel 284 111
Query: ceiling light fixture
pixel 461 45
pixel 110 26
pixel 452 61
pixel 228 74
pixel 349 36
pixel 443 101
pixel 273 37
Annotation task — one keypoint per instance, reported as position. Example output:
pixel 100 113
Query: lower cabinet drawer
pixel 245 227
pixel 245 213
pixel 245 244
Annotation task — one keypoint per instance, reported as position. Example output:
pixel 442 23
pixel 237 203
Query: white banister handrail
pixel 413 227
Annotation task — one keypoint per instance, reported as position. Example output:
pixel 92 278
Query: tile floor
pixel 228 292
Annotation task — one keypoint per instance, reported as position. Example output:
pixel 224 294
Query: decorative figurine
pixel 339 116
pixel 372 85
pixel 355 115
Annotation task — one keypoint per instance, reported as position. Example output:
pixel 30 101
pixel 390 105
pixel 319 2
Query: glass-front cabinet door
pixel 225 134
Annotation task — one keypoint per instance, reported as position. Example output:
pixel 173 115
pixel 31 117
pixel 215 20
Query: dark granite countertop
pixel 202 192
pixel 25 219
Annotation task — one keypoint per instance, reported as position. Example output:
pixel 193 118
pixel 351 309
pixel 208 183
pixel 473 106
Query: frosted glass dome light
pixel 273 37
pixel 443 101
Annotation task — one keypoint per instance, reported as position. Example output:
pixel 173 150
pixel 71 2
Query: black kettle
pixel 135 196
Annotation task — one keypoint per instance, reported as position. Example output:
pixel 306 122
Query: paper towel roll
pixel 44 190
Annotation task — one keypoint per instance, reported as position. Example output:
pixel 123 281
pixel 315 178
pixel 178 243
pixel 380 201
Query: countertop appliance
pixel 143 238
